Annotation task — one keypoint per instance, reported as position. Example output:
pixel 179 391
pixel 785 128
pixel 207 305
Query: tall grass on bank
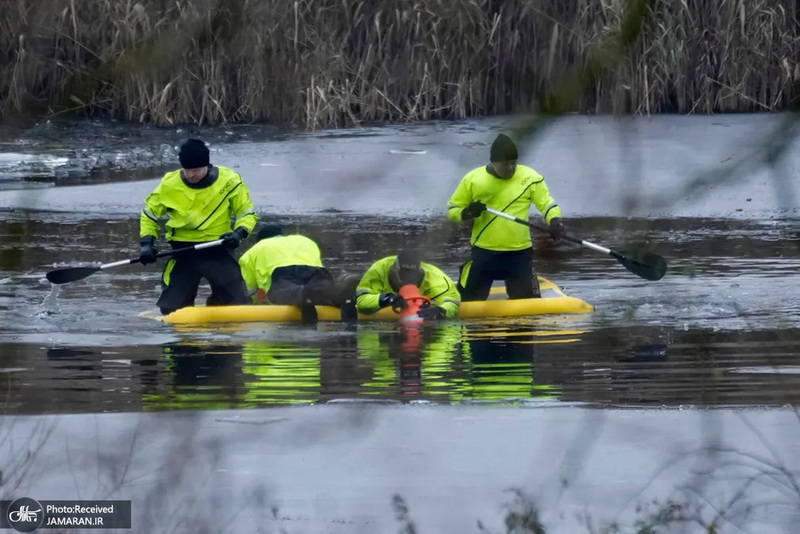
pixel 334 63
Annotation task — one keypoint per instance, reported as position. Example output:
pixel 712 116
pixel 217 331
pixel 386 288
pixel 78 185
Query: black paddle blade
pixel 641 263
pixel 70 274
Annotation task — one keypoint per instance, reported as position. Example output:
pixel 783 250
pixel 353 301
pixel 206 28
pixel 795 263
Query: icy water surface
pixel 667 404
pixel 720 329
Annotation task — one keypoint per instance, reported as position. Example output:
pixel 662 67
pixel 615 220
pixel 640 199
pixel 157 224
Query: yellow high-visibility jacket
pixel 436 285
pixel 261 260
pixel 198 214
pixel 513 196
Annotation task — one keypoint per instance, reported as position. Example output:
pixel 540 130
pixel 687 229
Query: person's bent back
pixel 288 270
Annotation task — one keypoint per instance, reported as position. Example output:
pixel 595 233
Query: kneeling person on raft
pixel 381 283
pixel 288 270
pixel 502 249
pixel 199 200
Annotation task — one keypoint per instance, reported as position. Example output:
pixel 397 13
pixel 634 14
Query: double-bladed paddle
pixel 72 274
pixel 641 263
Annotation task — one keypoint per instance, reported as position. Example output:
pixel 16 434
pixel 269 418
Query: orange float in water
pixel 415 300
pixel 409 319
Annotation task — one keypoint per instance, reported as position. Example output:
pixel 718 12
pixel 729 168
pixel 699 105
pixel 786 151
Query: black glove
pixel 557 228
pixel 432 313
pixel 473 210
pixel 392 299
pixel 235 238
pixel 149 251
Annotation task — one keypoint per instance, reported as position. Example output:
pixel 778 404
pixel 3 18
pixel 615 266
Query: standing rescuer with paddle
pixel 198 202
pixel 501 249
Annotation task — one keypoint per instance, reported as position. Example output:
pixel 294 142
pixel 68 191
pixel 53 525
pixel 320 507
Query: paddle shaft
pixel 581 242
pixel 645 264
pixel 162 254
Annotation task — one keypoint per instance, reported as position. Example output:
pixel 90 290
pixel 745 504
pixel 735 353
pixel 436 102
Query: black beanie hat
pixel 193 154
pixel 269 231
pixel 503 149
pixel 408 260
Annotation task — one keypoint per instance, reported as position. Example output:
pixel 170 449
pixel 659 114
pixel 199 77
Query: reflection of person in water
pixel 284 372
pixel 195 376
pixel 399 356
pixel 256 373
pixel 415 360
pixel 503 366
pixel 280 373
pixel 251 374
pixel 452 362
pixel 445 362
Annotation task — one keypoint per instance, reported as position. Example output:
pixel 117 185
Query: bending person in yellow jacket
pixel 379 286
pixel 288 270
pixel 198 203
pixel 502 249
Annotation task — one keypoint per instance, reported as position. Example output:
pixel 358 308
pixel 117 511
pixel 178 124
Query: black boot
pixel 537 291
pixel 308 312
pixel 349 311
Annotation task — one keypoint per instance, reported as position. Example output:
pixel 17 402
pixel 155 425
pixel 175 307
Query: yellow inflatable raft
pixel 553 302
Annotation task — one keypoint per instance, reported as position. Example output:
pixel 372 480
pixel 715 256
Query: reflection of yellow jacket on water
pixel 261 260
pixel 391 356
pixel 448 371
pixel 198 214
pixel 249 375
pixel 183 388
pixel 280 373
pixel 436 285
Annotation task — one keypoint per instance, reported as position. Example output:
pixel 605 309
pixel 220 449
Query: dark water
pixel 721 329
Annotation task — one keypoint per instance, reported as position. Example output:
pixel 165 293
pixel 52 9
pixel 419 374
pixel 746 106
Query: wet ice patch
pixel 412 151
pixel 13 369
pixel 763 369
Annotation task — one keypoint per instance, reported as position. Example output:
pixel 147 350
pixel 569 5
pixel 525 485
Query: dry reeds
pixel 335 63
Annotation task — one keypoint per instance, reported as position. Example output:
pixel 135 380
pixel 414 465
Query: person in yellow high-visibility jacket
pixel 379 286
pixel 502 249
pixel 198 203
pixel 288 270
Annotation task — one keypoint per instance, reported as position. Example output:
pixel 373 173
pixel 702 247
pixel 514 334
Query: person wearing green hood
pixel 502 249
